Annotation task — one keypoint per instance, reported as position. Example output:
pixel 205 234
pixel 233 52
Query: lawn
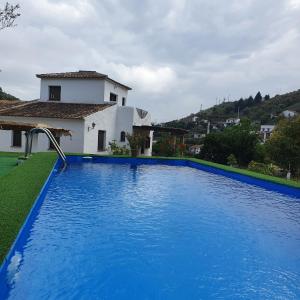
pixel 18 191
pixel 8 161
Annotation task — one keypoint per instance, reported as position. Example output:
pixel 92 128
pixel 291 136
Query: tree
pixel 5 96
pixel 250 101
pixel 239 141
pixel 8 15
pixel 267 97
pixel 136 140
pixel 258 98
pixel 167 145
pixel 284 145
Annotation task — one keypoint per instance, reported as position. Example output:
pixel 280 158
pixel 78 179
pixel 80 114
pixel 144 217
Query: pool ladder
pixel 51 138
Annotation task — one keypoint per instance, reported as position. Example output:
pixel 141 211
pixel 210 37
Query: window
pixel 54 93
pixel 51 146
pixel 113 97
pixel 17 138
pixel 101 140
pixel 123 101
pixel 122 136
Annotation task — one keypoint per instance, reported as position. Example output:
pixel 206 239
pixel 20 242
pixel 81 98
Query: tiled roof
pixel 11 125
pixel 4 104
pixel 80 75
pixel 53 110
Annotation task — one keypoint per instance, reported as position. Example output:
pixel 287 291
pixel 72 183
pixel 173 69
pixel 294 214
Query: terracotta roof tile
pixel 4 104
pixel 80 75
pixel 53 110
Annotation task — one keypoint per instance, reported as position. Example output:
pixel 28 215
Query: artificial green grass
pixel 274 179
pixel 7 163
pixel 18 191
pixel 11 154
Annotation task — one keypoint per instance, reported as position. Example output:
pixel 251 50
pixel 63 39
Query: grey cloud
pixel 190 51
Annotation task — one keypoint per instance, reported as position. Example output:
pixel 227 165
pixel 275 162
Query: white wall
pixel 113 120
pixel 104 120
pixel 124 123
pixel 128 117
pixel 115 89
pixel 68 144
pixel 267 128
pixel 289 113
pixel 138 121
pixel 93 91
pixel 84 139
pixel 75 90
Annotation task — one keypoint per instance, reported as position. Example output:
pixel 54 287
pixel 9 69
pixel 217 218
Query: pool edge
pixel 29 218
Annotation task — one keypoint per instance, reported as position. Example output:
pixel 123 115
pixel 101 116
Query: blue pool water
pixel 121 231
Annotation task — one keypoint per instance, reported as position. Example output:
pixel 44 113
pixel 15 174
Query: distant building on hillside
pixel 266 131
pixel 197 135
pixel 195 119
pixel 232 121
pixel 289 113
pixel 195 149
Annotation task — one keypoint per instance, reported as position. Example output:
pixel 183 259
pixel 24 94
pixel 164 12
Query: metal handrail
pixel 50 136
pixel 54 141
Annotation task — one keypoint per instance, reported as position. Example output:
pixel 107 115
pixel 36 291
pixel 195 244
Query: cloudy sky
pixel 176 54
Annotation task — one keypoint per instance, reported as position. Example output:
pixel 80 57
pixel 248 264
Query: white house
pixel 90 104
pixel 289 113
pixel 232 121
pixel 195 149
pixel 266 131
pixel 197 135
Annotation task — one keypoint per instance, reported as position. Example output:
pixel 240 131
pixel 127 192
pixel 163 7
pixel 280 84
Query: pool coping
pixel 186 162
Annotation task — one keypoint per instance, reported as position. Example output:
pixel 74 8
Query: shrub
pixel 231 160
pixel 268 169
pixel 117 150
pixel 284 145
pixel 136 141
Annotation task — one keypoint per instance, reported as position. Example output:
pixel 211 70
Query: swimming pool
pixel 127 229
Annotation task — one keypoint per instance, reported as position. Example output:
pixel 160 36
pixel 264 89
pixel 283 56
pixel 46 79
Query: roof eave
pixel 45 76
pixel 105 77
pixel 118 83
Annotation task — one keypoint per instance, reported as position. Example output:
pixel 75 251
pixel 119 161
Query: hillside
pixel 5 96
pixel 261 110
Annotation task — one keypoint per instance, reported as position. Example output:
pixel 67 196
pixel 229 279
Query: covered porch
pixel 18 128
pixel 177 135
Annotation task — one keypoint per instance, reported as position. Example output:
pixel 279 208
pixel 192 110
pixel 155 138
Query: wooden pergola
pixel 175 132
pixel 20 126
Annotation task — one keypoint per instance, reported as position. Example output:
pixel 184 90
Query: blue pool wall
pixel 276 187
pixel 25 229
